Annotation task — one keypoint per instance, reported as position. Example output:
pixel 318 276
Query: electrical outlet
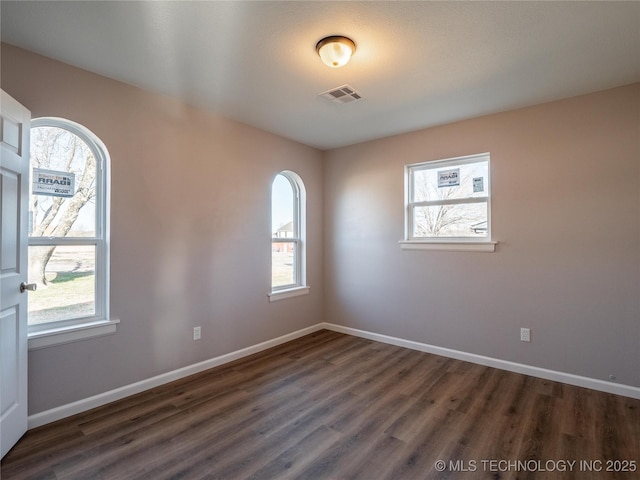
pixel 525 335
pixel 197 333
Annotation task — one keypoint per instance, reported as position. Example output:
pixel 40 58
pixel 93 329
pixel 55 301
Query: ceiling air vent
pixel 343 94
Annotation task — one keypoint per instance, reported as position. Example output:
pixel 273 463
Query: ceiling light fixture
pixel 335 51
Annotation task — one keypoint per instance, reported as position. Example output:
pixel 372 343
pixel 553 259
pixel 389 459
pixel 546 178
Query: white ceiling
pixel 417 64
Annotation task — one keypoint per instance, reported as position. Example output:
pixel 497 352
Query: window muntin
pixel 287 225
pixel 449 200
pixel 68 236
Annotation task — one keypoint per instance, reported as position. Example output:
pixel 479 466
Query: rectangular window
pixel 449 200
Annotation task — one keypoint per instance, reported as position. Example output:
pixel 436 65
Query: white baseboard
pixel 83 405
pixel 568 378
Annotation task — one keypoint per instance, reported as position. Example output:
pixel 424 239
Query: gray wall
pixel 190 231
pixel 566 211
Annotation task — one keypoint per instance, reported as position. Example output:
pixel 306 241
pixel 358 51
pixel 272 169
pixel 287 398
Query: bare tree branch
pixel 57 149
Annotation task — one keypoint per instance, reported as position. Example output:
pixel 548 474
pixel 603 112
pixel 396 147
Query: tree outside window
pixel 67 234
pixel 449 199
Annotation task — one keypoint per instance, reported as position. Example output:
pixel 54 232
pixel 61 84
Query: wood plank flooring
pixel 333 406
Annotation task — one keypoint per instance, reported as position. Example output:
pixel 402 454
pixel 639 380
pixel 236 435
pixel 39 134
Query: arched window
pixel 68 226
pixel 288 222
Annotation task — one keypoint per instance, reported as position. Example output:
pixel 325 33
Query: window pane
pixel 59 150
pixel 66 283
pixel 451 182
pixel 283 271
pixel 282 208
pixel 466 220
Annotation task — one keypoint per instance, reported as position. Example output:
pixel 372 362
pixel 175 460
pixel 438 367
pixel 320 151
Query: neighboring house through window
pixel 288 246
pixel 449 202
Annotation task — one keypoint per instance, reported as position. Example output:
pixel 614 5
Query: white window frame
pixel 479 244
pixel 65 331
pixel 299 287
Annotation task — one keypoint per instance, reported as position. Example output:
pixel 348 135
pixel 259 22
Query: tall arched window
pixel 288 246
pixel 68 226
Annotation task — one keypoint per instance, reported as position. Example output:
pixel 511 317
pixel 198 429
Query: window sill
pixel 288 293
pixel 449 246
pixel 61 335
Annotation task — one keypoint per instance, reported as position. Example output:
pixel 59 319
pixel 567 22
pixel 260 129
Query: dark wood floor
pixel 332 406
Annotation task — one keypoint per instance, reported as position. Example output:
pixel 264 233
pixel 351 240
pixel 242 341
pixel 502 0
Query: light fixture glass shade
pixel 335 51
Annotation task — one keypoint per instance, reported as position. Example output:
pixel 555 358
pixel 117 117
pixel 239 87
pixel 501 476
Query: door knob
pixel 24 286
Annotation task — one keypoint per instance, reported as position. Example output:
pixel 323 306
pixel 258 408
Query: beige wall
pixel 566 211
pixel 190 231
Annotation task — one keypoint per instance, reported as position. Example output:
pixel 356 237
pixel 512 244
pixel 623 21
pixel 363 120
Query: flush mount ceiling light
pixel 335 51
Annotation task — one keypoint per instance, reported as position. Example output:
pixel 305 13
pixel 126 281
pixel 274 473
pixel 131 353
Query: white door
pixel 14 197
